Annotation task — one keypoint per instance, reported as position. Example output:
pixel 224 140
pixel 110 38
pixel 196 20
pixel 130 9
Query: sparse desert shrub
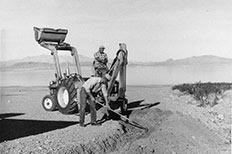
pixel 207 93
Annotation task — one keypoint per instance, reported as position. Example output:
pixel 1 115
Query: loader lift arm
pixel 64 46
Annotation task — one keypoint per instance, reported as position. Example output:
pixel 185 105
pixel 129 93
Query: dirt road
pixel 176 125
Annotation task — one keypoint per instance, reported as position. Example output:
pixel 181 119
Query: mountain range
pixel 195 60
pixel 46 62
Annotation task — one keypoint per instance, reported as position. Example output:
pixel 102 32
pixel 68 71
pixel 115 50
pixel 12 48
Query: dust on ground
pixel 176 125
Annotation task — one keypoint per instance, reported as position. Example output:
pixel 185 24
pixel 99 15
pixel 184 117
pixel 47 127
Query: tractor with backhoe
pixel 64 90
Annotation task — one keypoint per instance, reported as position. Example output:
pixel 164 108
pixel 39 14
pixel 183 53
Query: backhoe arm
pixel 119 68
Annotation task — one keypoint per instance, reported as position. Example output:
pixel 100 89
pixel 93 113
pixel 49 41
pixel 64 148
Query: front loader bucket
pixel 50 35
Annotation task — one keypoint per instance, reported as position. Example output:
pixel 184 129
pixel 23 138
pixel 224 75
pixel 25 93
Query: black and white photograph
pixel 115 76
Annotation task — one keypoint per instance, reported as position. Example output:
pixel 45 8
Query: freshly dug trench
pixel 124 134
pixel 109 137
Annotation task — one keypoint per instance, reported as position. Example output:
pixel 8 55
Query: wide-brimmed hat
pixel 108 77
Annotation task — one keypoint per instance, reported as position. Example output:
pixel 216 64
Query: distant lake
pixel 137 75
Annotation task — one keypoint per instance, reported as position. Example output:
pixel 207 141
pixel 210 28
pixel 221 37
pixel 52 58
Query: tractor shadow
pixel 132 106
pixel 11 129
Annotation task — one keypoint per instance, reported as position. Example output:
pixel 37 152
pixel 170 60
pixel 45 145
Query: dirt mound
pixel 174 133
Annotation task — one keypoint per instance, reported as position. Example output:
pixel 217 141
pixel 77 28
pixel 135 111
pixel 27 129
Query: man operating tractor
pixel 100 62
pixel 88 92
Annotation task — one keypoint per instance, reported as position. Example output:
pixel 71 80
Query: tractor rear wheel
pixel 66 97
pixel 49 103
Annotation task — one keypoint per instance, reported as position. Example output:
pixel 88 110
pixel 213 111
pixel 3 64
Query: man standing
pixel 88 89
pixel 100 61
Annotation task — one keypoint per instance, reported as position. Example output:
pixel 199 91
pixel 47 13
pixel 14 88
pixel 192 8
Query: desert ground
pixel 176 125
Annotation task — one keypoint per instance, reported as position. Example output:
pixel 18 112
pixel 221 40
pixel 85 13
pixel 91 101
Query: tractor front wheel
pixel 49 103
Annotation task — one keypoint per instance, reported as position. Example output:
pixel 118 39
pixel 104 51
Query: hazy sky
pixel 154 30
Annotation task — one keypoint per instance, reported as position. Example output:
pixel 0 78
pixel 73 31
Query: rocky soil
pixel 176 125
